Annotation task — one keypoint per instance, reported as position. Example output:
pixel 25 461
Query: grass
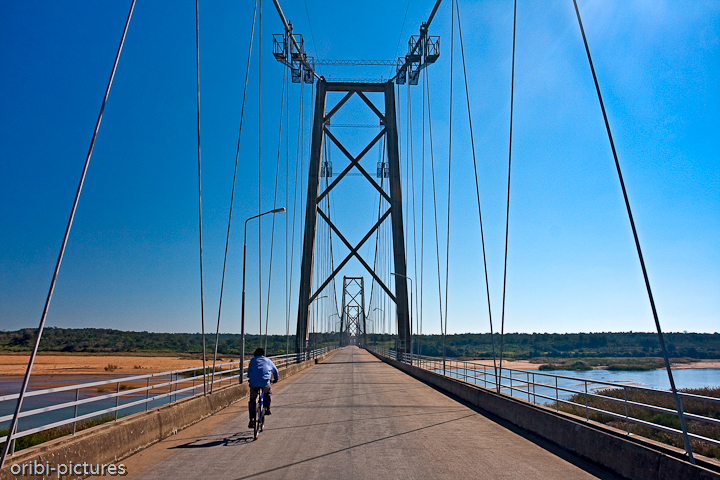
pixel 577 366
pixel 617 364
pixel 698 407
pixel 53 433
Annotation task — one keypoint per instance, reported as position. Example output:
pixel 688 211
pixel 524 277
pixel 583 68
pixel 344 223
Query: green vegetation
pixel 101 340
pixel 53 433
pixel 579 366
pixel 525 346
pixel 616 364
pixel 698 407
pixel 617 351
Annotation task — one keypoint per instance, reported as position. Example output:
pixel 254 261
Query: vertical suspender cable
pixel 414 221
pixel 202 300
pixel 232 198
pixel 272 232
pixel 477 188
pixel 678 402
pixel 260 172
pixel 447 243
pixel 437 236
pixel 507 209
pixel 422 207
pixel 298 163
pixel 26 379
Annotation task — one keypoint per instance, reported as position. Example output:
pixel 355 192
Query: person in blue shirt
pixel 260 370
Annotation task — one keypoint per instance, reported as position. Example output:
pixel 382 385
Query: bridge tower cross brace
pixel 320 133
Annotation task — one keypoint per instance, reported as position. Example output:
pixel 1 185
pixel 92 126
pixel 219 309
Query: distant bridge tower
pixel 387 119
pixel 353 326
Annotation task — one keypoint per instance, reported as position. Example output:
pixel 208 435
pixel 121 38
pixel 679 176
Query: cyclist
pixel 260 371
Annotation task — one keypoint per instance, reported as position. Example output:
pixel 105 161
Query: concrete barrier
pixel 111 442
pixel 632 457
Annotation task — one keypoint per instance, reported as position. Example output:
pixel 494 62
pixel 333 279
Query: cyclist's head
pixel 259 352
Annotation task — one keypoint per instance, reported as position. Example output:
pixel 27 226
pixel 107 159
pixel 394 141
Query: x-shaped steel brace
pixel 353 253
pixel 354 162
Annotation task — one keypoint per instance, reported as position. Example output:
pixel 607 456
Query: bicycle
pixel 259 413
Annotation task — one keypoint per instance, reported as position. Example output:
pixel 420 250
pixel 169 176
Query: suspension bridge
pixel 358 398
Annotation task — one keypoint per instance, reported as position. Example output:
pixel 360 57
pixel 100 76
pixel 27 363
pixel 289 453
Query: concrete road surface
pixel 356 417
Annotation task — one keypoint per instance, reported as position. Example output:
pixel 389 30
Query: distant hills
pixel 516 345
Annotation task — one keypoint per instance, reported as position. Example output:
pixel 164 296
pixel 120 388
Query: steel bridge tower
pixel 353 325
pixel 320 132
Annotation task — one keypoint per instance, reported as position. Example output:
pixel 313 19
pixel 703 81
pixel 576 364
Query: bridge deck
pixel 356 417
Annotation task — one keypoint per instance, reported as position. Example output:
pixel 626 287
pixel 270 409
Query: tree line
pixel 102 340
pixel 516 345
pixel 564 345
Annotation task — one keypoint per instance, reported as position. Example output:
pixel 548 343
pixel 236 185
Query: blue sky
pixel 132 259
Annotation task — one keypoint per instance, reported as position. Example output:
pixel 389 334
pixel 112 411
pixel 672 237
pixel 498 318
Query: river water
pixel 656 379
pixel 11 384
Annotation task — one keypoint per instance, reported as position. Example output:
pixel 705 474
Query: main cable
pixel 232 197
pixel 43 318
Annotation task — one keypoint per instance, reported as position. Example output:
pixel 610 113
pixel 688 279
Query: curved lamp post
pixel 411 310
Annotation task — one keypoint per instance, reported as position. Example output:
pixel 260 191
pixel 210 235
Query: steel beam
pixel 396 218
pixel 394 198
pixel 306 269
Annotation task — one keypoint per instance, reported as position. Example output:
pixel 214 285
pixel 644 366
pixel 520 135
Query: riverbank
pixel 98 365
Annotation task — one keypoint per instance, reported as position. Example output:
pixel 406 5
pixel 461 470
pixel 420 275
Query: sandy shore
pixel 137 365
pixel 96 364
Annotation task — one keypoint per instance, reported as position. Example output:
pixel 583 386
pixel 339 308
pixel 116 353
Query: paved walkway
pixel 356 417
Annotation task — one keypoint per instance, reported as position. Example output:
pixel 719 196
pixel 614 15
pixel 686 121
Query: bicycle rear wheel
pixel 258 416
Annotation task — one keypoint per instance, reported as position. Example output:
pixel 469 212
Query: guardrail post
pixel 527 382
pixel 117 401
pixel 77 397
pixel 147 393
pixel 627 421
pixel 557 396
pixel 534 397
pixel 587 415
pixel 511 386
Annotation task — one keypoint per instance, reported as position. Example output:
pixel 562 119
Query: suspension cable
pixel 232 198
pixel 298 162
pixel 414 222
pixel 477 187
pixel 272 232
pixel 202 296
pixel 437 237
pixel 447 243
pixel 507 209
pixel 43 318
pixel 260 171
pixel 678 402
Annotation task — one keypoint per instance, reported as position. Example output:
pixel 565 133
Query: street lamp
pixel 330 324
pixel 242 315
pixel 314 320
pixel 411 308
pixel 383 319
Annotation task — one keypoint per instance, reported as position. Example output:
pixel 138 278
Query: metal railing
pixel 553 390
pixel 137 391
